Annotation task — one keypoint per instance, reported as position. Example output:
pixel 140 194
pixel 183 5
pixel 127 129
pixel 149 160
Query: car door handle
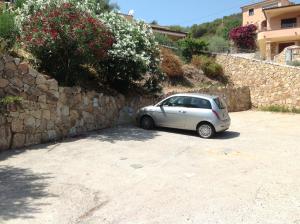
pixel 184 112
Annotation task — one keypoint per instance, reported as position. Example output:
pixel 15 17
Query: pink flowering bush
pixel 244 37
pixel 63 38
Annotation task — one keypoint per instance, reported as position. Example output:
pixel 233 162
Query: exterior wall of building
pixel 255 19
pixel 274 23
pixel 258 17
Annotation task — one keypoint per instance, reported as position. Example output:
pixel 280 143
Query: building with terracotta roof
pixel 278 23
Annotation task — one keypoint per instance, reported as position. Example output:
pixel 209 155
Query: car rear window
pixel 199 103
pixel 220 103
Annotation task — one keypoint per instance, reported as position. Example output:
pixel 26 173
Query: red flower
pixel 91 20
pixel 53 34
pixel 66 28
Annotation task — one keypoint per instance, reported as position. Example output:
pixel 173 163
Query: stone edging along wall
pixel 269 83
pixel 49 112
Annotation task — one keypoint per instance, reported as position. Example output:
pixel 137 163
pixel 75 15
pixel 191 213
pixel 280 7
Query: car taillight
pixel 216 113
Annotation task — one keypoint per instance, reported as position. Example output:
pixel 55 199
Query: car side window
pixel 200 103
pixel 169 102
pixel 177 101
pixel 181 101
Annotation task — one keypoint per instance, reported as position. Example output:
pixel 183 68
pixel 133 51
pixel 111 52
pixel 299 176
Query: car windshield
pixel 220 103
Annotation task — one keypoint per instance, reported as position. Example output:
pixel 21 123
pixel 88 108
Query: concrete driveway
pixel 250 174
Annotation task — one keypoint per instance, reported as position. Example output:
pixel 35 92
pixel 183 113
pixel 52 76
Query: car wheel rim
pixel 205 131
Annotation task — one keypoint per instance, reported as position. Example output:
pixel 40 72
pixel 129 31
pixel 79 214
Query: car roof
pixel 197 95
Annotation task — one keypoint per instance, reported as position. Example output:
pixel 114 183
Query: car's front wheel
pixel 147 123
pixel 205 130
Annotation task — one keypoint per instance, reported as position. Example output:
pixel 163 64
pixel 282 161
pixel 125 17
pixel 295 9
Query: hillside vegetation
pixel 218 27
pixel 215 33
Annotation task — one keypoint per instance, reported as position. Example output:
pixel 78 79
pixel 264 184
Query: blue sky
pixel 181 12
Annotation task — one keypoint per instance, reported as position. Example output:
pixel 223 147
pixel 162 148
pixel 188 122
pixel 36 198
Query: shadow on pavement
pixel 19 190
pixel 112 135
pixel 222 136
pixel 227 135
pixel 124 133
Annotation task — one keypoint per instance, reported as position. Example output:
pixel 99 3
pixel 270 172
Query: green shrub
pixel 191 46
pixel 165 41
pixel 218 44
pixel 200 60
pixel 9 103
pixel 7 100
pixel 294 63
pixel 280 109
pixel 213 70
pixel 209 66
pixel 8 30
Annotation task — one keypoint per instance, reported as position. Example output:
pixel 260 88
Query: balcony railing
pixel 264 29
pixel 279 33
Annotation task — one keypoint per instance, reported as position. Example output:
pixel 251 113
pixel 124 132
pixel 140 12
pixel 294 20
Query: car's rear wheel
pixel 205 130
pixel 147 123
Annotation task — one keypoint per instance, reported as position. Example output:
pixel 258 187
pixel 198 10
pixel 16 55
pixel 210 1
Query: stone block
pixel 87 117
pixel 10 66
pixel 43 125
pixel 17 61
pixel 26 88
pixel 52 135
pixel 42 99
pixel 7 58
pixel 17 125
pixel 18 140
pixel 36 114
pixel 1 65
pixel 29 122
pixel 23 68
pixel 33 139
pixel 33 72
pixel 43 87
pixel 3 83
pixel 2 93
pixel 5 137
pixel 28 79
pixel 74 115
pixel 34 92
pixel 12 90
pixel 51 98
pixel 16 82
pixel 53 85
pixel 46 114
pixel 65 111
pixel 40 80
pixel 50 125
pixel 2 120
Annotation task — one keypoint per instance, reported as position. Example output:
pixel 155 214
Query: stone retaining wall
pixel 49 112
pixel 269 83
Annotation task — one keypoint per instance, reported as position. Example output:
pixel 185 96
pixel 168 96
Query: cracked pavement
pixel 126 175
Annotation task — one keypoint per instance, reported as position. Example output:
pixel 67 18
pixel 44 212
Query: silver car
pixel 203 113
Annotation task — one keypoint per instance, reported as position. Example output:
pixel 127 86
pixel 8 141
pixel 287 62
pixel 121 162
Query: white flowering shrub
pixel 134 55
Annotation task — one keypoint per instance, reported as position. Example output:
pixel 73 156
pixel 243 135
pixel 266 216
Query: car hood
pixel 148 108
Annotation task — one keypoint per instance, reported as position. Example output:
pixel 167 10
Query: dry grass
pixel 171 64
